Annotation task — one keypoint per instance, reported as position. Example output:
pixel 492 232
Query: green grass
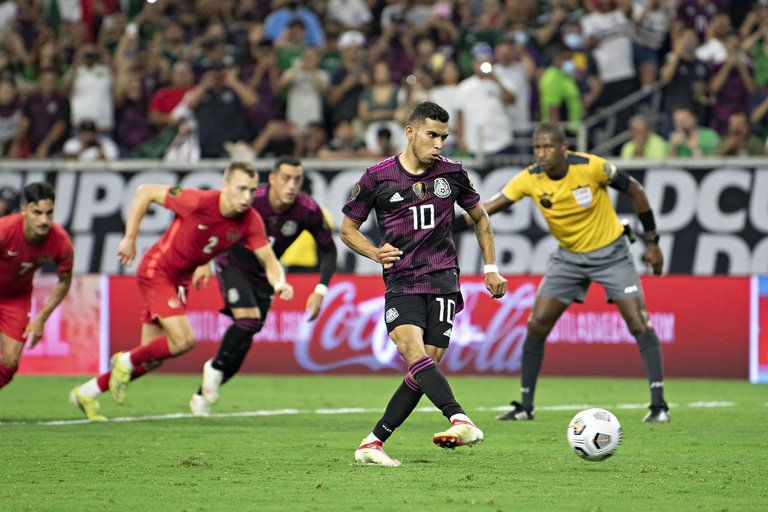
pixel 706 459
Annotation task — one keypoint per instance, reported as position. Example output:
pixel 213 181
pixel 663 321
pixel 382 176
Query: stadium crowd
pixel 182 80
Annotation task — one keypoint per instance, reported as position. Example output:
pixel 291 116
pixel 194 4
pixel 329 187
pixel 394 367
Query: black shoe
pixel 518 413
pixel 657 413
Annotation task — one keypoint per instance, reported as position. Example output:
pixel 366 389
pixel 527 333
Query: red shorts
pixel 162 297
pixel 14 316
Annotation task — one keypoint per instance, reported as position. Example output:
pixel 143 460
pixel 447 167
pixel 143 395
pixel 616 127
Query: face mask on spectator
pixel 568 67
pixel 520 37
pixel 573 40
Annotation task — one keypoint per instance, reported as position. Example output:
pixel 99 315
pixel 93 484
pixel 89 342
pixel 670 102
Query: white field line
pixel 344 410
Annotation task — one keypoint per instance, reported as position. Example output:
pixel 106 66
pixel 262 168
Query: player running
pixel 207 223
pixel 570 189
pixel 413 195
pixel 244 287
pixel 27 241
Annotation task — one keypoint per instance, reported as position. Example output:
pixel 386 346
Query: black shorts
pixel 433 313
pixel 240 291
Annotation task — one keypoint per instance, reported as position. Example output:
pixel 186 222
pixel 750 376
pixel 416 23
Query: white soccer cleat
pixel 460 433
pixel 374 454
pixel 199 405
pixel 211 382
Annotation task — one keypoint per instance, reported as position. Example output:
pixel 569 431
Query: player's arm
pixel 145 195
pixel 386 255
pixel 274 271
pixel 326 257
pixel 495 284
pixel 623 182
pixel 37 324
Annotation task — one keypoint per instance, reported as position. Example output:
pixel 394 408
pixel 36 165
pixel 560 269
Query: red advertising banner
pixel 70 343
pixel 702 322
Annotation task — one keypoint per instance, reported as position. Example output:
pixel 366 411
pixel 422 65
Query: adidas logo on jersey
pixel 396 198
pixel 448 332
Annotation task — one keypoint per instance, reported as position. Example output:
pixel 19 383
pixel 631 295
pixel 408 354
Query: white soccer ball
pixel 594 434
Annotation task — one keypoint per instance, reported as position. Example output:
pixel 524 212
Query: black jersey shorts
pixel 433 313
pixel 241 291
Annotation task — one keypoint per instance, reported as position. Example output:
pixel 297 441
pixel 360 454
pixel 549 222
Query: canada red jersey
pixel 19 259
pixel 198 233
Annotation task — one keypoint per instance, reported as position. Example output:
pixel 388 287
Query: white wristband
pixel 488 269
pixel 321 289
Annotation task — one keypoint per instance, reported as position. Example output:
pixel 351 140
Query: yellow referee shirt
pixel 577 206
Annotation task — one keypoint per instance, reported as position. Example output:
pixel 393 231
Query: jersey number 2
pixel 208 249
pixel 423 216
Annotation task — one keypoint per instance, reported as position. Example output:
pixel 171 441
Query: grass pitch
pixel 297 456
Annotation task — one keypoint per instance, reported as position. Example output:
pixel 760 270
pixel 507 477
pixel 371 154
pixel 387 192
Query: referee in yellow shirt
pixel 570 189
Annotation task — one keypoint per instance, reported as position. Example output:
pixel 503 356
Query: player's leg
pixel 10 354
pixel 14 318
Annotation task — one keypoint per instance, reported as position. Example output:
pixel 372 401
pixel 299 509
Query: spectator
pixel 683 77
pixel 652 19
pixel 173 45
pixel 214 49
pixel 90 145
pixel 558 89
pixel 344 143
pixel 731 84
pixel 133 125
pixel 166 99
pixel 416 88
pixel 305 84
pixel 314 139
pixel 46 117
pixel 688 139
pixel 262 76
pixel 378 101
pixel 10 118
pixel 277 138
pixel 755 42
pixel 697 15
pixel 516 70
pixel 351 14
pixel 446 94
pixel 550 22
pixel 395 47
pixel 645 143
pixel 739 140
pixel 220 103
pixel 585 71
pixel 9 200
pixel 483 126
pixel 90 85
pixel 713 51
pixel 349 82
pixel 290 45
pixel 278 20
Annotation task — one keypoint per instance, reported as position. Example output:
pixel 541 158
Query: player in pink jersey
pixel 207 223
pixel 28 240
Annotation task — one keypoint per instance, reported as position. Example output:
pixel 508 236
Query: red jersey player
pixel 28 240
pixel 207 222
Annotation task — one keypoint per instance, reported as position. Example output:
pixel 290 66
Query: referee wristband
pixel 488 269
pixel 321 289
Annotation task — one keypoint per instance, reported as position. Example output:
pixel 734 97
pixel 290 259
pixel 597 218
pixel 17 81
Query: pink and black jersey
pixel 197 234
pixel 282 228
pixel 414 213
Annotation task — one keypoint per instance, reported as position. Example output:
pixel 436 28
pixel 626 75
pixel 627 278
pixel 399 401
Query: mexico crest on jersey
pixel 420 190
pixel 583 196
pixel 289 228
pixel 442 188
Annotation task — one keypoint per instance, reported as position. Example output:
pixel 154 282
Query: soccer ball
pixel 594 434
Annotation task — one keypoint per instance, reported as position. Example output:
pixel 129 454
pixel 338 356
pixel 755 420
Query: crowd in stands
pixel 182 80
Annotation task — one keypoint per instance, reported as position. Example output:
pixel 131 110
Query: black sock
pixel 400 406
pixel 232 351
pixel 533 355
pixel 435 386
pixel 650 352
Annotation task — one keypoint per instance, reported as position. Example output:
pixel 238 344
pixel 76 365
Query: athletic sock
pixel 102 381
pixel 650 352
pixel 6 375
pixel 533 355
pixel 92 388
pixel 460 417
pixel 155 350
pixel 234 347
pixel 371 438
pixel 435 386
pixel 400 406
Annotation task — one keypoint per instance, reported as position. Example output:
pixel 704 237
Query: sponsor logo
pixel 391 315
pixel 202 227
pixel 12 253
pixel 396 198
pixel 233 296
pixel 657 384
pixel 420 190
pixel 442 188
pixel 583 196
pixel 289 228
pixel 545 200
pixel 630 289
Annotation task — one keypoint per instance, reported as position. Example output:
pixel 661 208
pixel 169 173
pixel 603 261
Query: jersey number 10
pixel 423 216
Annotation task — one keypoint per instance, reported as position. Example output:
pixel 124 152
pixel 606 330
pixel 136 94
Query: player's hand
pixel 388 255
pixel 495 284
pixel 653 259
pixel 126 251
pixel 284 291
pixel 314 302
pixel 35 328
pixel 201 273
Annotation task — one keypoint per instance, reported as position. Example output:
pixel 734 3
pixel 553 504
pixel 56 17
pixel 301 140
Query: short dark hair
pixel 683 106
pixel 246 167
pixel 427 110
pixel 38 191
pixel 286 160
pixel 554 129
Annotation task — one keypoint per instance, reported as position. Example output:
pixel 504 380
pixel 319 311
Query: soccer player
pixel 207 223
pixel 28 240
pixel 413 195
pixel 245 290
pixel 570 189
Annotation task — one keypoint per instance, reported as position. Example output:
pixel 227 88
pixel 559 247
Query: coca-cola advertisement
pixel 758 368
pixel 702 334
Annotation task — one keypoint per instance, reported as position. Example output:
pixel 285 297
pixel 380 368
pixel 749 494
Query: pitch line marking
pixel 343 410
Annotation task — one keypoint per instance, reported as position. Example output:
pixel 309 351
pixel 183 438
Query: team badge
pixel 355 191
pixel 174 303
pixel 232 235
pixel 289 228
pixel 391 315
pixel 442 188
pixel 233 296
pixel 174 191
pixel 583 196
pixel 420 190
pixel 545 200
